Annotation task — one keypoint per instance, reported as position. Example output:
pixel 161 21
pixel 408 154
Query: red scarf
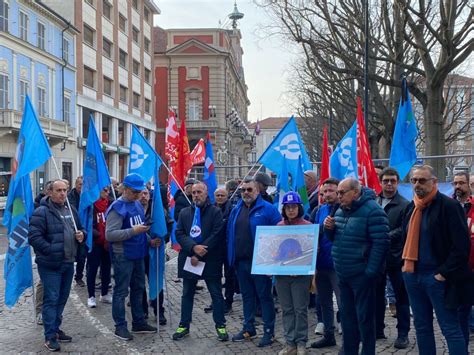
pixel 100 206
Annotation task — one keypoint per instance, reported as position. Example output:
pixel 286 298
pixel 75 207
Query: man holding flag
pixel 199 234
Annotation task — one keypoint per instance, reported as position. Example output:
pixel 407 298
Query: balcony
pixel 55 131
pixel 201 124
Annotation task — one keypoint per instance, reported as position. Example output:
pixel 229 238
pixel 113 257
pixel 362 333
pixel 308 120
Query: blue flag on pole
pixel 287 143
pixel 95 179
pixel 146 162
pixel 343 161
pixel 32 151
pixel 209 172
pixel 283 184
pixel 300 187
pixel 403 153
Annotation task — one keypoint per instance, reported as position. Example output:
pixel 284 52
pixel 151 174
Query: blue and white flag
pixel 403 152
pixel 195 233
pixel 343 161
pixel 142 156
pixel 283 184
pixel 287 143
pixel 32 151
pixel 96 178
pixel 209 172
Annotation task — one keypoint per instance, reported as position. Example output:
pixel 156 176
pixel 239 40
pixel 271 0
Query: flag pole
pixel 157 286
pixel 248 173
pixel 67 200
pixel 113 191
pixel 33 289
pixel 176 180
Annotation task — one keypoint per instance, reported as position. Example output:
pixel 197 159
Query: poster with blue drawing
pixel 285 250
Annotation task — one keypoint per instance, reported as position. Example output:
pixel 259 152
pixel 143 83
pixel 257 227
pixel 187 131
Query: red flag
pixel 171 138
pixel 365 169
pixel 183 157
pixel 198 155
pixel 324 158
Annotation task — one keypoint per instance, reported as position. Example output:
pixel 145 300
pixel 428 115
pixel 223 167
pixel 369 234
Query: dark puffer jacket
pixel 212 236
pixel 360 238
pixel 46 234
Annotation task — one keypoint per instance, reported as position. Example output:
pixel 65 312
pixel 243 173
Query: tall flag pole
pixel 403 152
pixel 324 158
pixel 32 152
pixel 96 178
pixel 365 167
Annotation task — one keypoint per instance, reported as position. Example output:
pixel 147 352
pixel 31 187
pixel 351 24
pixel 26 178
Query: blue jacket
pixel 360 238
pixel 261 214
pixel 324 260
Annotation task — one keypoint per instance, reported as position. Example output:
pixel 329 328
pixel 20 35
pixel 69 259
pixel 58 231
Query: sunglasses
pixel 135 191
pixel 421 181
pixel 391 181
pixel 248 189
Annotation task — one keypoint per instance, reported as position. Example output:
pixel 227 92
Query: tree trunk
pixel 434 130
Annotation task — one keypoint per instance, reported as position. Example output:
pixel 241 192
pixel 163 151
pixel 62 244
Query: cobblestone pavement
pixel 92 329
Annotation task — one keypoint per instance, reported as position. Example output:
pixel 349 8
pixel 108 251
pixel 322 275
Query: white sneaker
pixel 339 328
pixel 319 329
pixel 91 303
pixel 106 298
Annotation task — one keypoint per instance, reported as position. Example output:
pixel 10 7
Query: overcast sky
pixel 265 60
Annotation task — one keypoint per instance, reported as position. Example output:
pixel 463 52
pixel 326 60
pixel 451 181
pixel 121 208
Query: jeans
pixel 98 256
pixel 56 288
pixel 317 308
pixel 252 286
pixel 358 314
pixel 426 293
pixel 464 313
pixel 389 292
pixel 187 301
pixel 326 283
pixel 128 273
pixel 80 261
pixel 293 295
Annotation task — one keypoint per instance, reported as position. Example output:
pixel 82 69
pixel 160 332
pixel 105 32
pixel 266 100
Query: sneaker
pixel 319 329
pixel 208 309
pixel 80 283
pixel 91 303
pixel 180 333
pixel 106 298
pixel 162 319
pixel 62 337
pixel 266 340
pixel 288 350
pixel 52 345
pixel 144 328
pixel 123 333
pixel 222 334
pixel 39 319
pixel 401 343
pixel 244 335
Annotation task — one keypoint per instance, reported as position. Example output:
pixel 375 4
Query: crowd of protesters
pixel 421 250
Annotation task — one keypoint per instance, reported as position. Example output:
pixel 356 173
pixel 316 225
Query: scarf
pixel 411 248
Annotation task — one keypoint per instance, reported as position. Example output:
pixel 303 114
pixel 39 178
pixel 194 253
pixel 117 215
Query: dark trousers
pixel 81 257
pixel 358 314
pixel 427 294
pixel 56 288
pixel 128 274
pixel 464 313
pixel 98 256
pixel 252 286
pixel 231 284
pixel 401 302
pixel 327 285
pixel 187 301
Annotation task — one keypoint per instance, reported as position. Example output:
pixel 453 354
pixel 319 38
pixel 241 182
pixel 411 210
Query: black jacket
pixel 314 200
pixel 211 228
pixel 74 198
pixel 450 245
pixel 46 234
pixel 180 202
pixel 395 211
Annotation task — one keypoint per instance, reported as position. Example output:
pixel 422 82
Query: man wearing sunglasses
pixel 435 269
pixel 251 211
pixel 394 205
pixel 359 231
pixel 126 233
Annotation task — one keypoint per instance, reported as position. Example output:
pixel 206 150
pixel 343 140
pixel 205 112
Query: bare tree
pixel 424 39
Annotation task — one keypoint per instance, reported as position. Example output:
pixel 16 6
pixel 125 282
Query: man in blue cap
pixel 126 232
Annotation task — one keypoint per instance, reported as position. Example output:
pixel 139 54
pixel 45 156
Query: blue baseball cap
pixel 134 181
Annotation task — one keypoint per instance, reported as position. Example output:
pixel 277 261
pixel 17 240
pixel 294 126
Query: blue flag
pixel 209 172
pixel 283 184
pixel 343 161
pixel 32 151
pixel 403 153
pixel 287 143
pixel 96 178
pixel 146 162
pixel 195 232
pixel 300 187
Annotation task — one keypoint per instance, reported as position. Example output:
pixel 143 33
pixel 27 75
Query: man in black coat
pixel 394 205
pixel 199 233
pixel 435 257
pixel 182 200
pixel 52 236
